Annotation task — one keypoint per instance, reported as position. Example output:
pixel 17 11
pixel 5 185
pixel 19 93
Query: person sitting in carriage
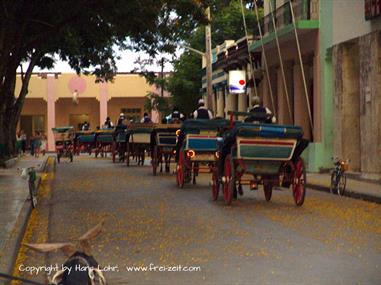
pixel 175 116
pixel 108 124
pixel 146 119
pixel 121 128
pixel 258 108
pixel 202 112
pixel 85 126
pixel 120 119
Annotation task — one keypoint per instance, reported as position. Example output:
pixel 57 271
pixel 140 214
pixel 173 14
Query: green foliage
pixel 154 101
pixel 83 33
pixel 227 24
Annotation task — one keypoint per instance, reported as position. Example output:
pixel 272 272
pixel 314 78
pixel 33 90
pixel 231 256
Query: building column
pixel 301 117
pixel 51 109
pixel 220 103
pixel 267 100
pixel 230 103
pixel 283 116
pixel 317 110
pixel 103 98
pixel 242 104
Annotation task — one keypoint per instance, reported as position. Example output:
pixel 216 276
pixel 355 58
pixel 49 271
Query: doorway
pixel 31 124
pixel 76 120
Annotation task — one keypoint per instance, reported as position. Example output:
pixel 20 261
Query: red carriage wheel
pixel 268 189
pixel 215 184
pixel 229 181
pixel 180 175
pixel 299 182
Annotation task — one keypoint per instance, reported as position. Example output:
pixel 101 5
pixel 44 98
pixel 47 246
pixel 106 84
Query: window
pixel 132 113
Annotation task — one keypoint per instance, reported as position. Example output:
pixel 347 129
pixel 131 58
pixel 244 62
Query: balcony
pixel 304 10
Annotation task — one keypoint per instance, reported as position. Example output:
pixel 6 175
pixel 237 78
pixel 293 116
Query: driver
pixel 202 112
pixel 259 108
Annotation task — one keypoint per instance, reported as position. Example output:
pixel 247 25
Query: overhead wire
pixel 281 61
pixel 265 58
pixel 302 68
pixel 248 50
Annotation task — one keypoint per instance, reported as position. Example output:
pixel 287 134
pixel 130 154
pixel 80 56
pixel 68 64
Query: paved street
pixel 330 240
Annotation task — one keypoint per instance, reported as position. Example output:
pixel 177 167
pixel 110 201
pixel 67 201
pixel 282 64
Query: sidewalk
pixel 366 190
pixel 14 207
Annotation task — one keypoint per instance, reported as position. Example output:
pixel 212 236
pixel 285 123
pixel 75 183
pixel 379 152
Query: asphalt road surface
pixel 150 223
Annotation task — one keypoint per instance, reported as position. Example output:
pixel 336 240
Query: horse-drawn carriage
pixel 64 142
pixel 139 141
pixel 197 148
pixel 119 144
pixel 103 141
pixel 163 145
pixel 85 141
pixel 260 154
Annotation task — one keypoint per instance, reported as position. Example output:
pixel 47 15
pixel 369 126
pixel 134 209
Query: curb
pixel 12 245
pixel 9 162
pixel 347 193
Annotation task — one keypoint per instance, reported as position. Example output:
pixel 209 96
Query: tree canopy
pixel 227 24
pixel 83 33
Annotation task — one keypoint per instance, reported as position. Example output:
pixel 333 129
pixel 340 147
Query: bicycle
pixel 30 174
pixel 338 176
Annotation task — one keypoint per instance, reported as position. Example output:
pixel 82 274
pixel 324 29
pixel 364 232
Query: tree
pixel 185 83
pixel 83 33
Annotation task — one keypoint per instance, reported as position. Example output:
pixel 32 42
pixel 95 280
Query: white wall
pixel 349 20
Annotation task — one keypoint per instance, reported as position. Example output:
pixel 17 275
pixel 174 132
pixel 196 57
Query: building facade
pixel 56 99
pixel 319 69
pixel 356 61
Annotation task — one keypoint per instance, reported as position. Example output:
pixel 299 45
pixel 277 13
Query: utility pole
pixel 162 77
pixel 208 58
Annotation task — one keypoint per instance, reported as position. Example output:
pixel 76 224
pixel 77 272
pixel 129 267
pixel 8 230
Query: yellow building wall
pixel 86 106
pixel 128 85
pixel 63 90
pixel 37 87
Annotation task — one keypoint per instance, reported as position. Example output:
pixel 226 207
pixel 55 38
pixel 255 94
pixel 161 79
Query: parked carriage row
pixel 234 153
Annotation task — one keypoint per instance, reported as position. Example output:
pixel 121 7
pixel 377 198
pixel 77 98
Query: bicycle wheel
pixel 32 194
pixel 342 182
pixel 333 186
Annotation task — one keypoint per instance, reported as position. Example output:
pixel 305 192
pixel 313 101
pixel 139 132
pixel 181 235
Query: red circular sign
pixel 242 82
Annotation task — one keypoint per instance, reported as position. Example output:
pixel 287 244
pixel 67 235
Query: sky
pixel 125 64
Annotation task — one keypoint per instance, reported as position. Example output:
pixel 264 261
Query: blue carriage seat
pixel 267 130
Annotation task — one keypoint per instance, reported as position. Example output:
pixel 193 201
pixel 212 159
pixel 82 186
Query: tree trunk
pixel 10 106
pixel 7 135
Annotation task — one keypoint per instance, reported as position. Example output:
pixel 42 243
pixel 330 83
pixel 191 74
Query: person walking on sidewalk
pixel 37 144
pixel 23 141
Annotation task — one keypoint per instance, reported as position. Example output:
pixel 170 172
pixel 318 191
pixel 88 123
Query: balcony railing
pixel 303 10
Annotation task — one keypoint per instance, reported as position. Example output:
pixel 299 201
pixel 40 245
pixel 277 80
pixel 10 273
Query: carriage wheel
pixel 128 154
pixel 155 159
pixel 299 182
pixel 180 175
pixel 268 189
pixel 215 184
pixel 113 151
pixel 229 182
